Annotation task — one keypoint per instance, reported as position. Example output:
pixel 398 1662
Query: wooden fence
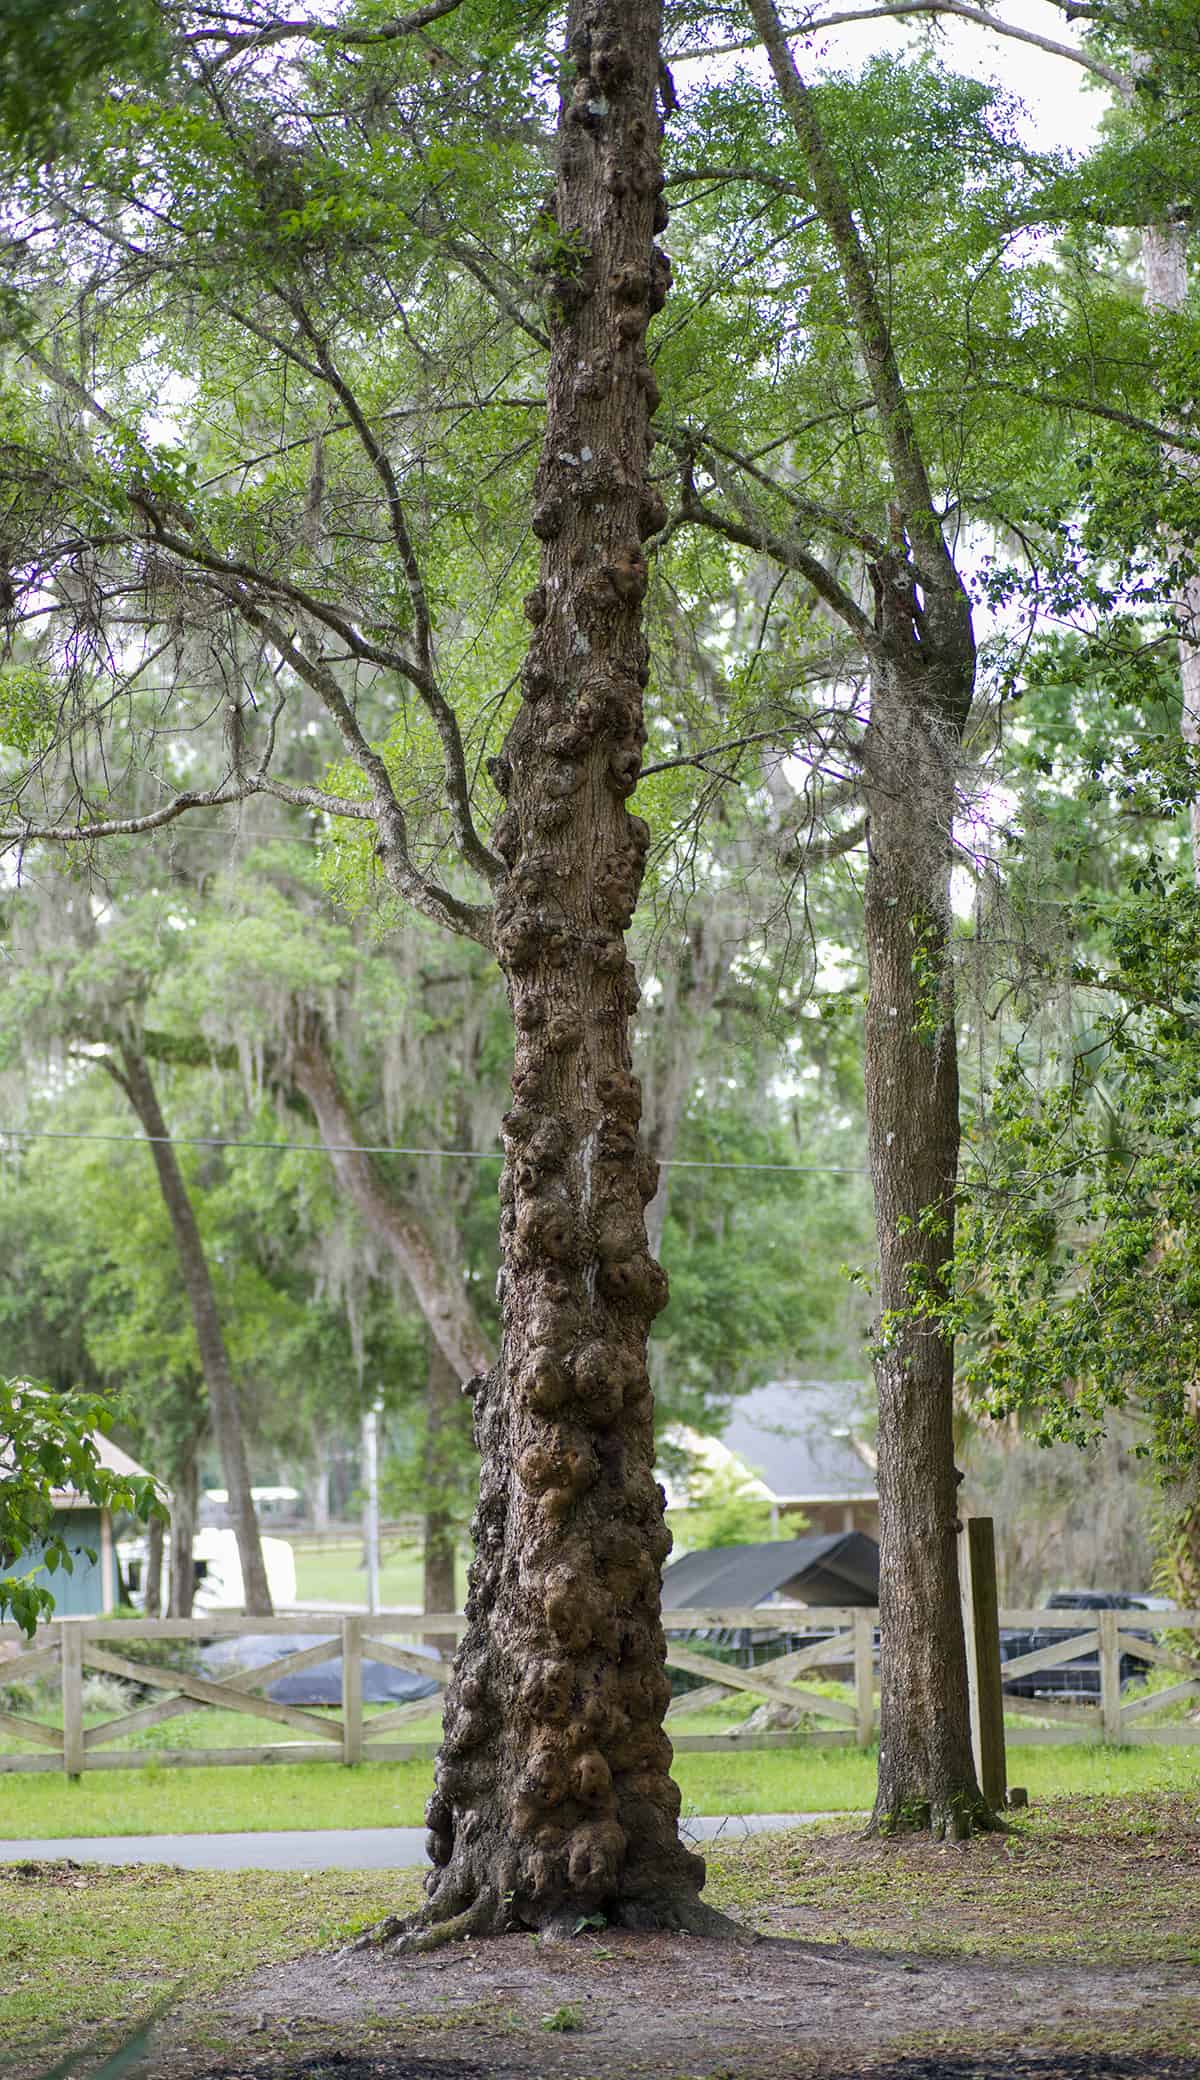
pixel 68 1647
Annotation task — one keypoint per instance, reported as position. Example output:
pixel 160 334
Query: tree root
pixel 673 1913
pixel 427 1929
pixel 955 1822
pixel 682 1913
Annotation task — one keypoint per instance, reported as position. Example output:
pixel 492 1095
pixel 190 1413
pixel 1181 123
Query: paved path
pixel 318 1849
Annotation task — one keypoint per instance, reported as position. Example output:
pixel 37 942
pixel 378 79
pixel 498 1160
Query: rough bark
pixel 553 1797
pixel 182 1567
pixel 926 1769
pixel 922 656
pixel 214 1358
pixel 442 1404
pixel 441 1295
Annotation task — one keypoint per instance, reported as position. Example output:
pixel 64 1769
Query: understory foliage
pixel 1078 1269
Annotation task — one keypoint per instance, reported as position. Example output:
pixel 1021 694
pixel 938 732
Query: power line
pixel 353 1148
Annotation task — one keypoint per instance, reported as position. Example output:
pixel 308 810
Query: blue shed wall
pixel 79 1594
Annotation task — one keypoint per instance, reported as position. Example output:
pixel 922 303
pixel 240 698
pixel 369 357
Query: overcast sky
pixel 1064 102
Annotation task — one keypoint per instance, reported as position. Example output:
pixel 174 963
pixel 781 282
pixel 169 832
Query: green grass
pixel 340 1577
pixel 85 1952
pixel 1103 1881
pixel 392 1794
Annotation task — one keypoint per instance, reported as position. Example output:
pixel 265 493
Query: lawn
pixel 1102 1882
pixel 338 1576
pixel 155 1800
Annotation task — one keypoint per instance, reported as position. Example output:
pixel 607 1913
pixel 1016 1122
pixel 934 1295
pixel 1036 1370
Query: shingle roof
pixel 838 1568
pixel 796 1434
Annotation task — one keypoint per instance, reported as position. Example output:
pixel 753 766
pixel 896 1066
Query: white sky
pixel 1064 102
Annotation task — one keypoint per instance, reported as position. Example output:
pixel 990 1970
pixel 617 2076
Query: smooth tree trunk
pixel 440 1290
pixel 442 1432
pixel 553 1794
pixel 911 753
pixel 135 1078
pixel 152 1588
pixel 185 1497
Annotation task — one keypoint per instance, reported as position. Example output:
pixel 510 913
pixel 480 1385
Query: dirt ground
pixel 1072 1954
pixel 667 2007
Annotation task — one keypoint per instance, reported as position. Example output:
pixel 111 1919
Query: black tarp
pixel 831 1568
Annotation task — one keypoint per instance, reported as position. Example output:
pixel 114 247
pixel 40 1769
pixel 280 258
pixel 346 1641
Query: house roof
pixel 839 1568
pixel 113 1460
pixel 799 1436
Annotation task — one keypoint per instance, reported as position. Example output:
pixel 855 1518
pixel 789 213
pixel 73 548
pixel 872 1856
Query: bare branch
pixel 695 176
pixel 474 852
pixel 897 9
pixel 701 759
pixel 322 32
pixel 470 920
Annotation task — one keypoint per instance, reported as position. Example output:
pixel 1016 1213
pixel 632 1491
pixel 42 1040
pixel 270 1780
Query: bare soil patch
pixel 1069 1950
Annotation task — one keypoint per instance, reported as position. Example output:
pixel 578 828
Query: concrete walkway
pixel 320 1849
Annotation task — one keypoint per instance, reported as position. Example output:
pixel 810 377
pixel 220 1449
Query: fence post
pixel 72 1695
pixel 1110 1678
pixel 864 1675
pixel 352 1695
pixel 982 1627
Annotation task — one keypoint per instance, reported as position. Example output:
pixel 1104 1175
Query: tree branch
pixel 1092 409
pixel 322 32
pixel 808 509
pixel 964 12
pixel 820 852
pixel 475 853
pixel 790 555
pixel 429 897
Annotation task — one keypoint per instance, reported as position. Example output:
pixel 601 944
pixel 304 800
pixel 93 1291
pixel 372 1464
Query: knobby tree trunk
pixel 184 1509
pixel 926 1769
pixel 441 1429
pixel 135 1078
pixel 441 1293
pixel 553 1795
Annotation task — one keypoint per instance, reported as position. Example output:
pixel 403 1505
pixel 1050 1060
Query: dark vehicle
pixel 1079 1677
pixel 319 1685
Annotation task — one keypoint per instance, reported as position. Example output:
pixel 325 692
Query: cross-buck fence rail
pixel 844 1650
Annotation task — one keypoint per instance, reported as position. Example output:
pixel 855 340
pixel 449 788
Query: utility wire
pixel 352 1148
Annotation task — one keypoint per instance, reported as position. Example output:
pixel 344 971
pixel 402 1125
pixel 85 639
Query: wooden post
pixel 72 1696
pixel 1110 1678
pixel 864 1675
pixel 352 1693
pixel 981 1614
